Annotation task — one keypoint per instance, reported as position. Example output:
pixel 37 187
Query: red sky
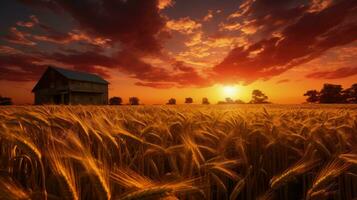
pixel 158 49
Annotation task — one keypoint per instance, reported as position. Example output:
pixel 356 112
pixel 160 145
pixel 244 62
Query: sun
pixel 230 91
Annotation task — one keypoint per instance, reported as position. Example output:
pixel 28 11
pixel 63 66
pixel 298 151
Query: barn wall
pixel 87 98
pixel 46 96
pixel 88 93
pixel 87 86
pixel 43 98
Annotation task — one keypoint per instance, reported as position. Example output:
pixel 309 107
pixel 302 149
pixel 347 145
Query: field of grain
pixel 179 152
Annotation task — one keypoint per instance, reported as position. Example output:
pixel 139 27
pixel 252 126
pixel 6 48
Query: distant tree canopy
pixel 115 101
pixel 188 100
pixel 313 96
pixel 238 101
pixel 331 93
pixel 5 101
pixel 350 94
pixel 205 100
pixel 171 101
pixel 134 101
pixel 231 101
pixel 259 97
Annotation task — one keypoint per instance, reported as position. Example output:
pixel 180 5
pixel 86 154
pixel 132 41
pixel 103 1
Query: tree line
pixel 258 97
pixel 119 101
pixel 5 101
pixel 331 93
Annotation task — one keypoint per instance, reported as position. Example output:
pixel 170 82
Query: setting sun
pixel 230 91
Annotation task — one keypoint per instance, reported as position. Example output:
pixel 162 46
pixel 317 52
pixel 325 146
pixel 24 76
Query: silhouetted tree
pixel 350 94
pixel 188 100
pixel 115 101
pixel 331 93
pixel 258 97
pixel 171 101
pixel 238 101
pixel 313 96
pixel 134 101
pixel 229 100
pixel 205 100
pixel 5 101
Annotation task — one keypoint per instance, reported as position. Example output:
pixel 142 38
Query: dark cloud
pixel 20 67
pixel 135 23
pixel 42 3
pixel 18 37
pixel 28 24
pixel 334 74
pixel 132 65
pixel 264 17
pixel 308 38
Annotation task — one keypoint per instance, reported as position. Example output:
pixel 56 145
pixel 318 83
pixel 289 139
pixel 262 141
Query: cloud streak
pixel 334 74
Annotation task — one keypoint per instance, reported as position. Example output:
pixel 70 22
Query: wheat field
pixel 179 152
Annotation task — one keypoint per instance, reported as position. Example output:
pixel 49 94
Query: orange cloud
pixel 18 37
pixel 73 36
pixel 33 21
pixel 165 4
pixel 209 16
pixel 318 5
pixel 183 25
pixel 334 74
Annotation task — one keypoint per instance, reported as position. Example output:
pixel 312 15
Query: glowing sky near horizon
pixel 161 49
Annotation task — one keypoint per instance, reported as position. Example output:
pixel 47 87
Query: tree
pixel 115 101
pixel 134 101
pixel 350 94
pixel 221 102
pixel 229 100
pixel 171 101
pixel 258 97
pixel 205 100
pixel 188 100
pixel 313 96
pixel 331 93
pixel 238 101
pixel 5 101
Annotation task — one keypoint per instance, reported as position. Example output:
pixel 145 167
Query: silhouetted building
pixel 62 86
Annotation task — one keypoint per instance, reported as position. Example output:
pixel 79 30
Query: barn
pixel 63 86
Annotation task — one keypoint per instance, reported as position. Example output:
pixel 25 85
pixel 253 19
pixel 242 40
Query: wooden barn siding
pixel 74 92
pixel 88 93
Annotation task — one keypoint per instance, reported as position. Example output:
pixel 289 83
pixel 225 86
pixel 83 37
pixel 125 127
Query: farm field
pixel 179 152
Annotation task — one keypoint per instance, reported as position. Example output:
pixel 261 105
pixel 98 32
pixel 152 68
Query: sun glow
pixel 230 91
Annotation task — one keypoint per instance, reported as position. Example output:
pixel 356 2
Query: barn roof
pixel 74 75
pixel 80 76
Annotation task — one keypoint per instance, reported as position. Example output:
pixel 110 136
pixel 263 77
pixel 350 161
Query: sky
pixel 161 49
